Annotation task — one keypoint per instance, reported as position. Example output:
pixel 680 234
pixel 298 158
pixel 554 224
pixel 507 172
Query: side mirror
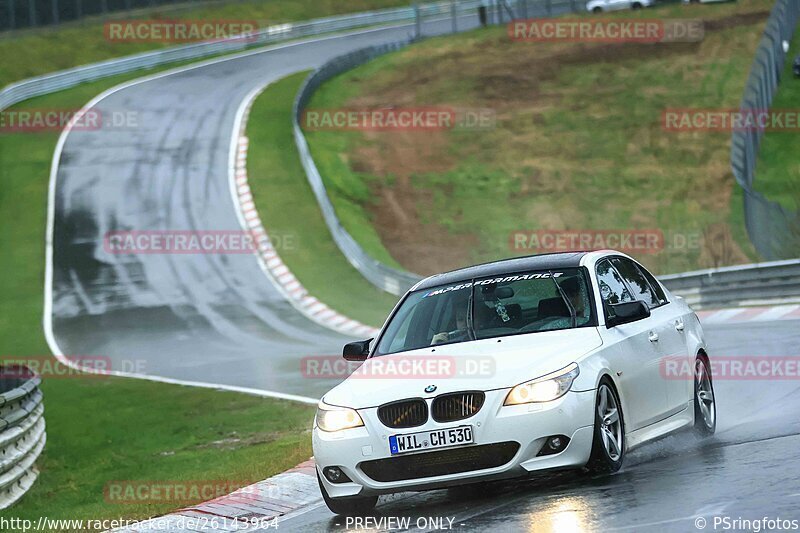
pixel 627 312
pixel 356 351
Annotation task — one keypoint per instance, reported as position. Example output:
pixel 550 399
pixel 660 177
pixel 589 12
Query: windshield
pixel 528 302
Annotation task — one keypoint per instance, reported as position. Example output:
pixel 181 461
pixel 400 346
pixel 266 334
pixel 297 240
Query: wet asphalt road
pixel 205 317
pixel 750 469
pixel 217 318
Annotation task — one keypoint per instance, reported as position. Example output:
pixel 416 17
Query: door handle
pixel 653 336
pixel 679 325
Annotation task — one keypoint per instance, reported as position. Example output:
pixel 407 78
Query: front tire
pixel 608 445
pixel 705 405
pixel 597 10
pixel 350 506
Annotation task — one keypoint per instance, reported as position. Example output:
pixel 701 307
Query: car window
pixel 659 292
pixel 530 305
pixel 421 317
pixel 398 340
pixel 636 281
pixel 527 302
pixel 612 288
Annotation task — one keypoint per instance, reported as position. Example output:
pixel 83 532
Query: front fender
pixel 593 369
pixel 695 337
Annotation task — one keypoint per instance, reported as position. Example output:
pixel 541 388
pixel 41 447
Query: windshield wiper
pixel 572 313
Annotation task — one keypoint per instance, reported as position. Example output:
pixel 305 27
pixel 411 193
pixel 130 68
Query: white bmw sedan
pixel 554 361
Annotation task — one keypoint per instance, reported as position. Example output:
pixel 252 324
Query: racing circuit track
pixel 207 317
pixel 218 319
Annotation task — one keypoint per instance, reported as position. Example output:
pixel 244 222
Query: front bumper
pixel 527 425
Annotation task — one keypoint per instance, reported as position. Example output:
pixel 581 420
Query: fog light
pixel 554 444
pixel 334 474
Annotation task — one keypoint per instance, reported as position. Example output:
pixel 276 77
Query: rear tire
pixel 705 405
pixel 597 10
pixel 636 5
pixel 608 444
pixel 350 506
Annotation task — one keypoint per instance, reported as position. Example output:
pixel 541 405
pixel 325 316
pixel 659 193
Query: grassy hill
pixel 577 143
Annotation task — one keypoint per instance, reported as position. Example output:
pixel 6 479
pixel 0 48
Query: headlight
pixel 331 418
pixel 545 388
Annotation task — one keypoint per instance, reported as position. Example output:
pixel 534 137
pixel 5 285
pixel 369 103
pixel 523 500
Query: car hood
pixel 476 365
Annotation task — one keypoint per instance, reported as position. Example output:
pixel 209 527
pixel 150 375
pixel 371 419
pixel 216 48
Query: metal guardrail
pixel 382 276
pixel 773 229
pixel 757 284
pixel 41 85
pixel 22 431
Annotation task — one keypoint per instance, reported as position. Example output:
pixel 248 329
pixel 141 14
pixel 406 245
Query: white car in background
pixel 600 6
pixel 591 356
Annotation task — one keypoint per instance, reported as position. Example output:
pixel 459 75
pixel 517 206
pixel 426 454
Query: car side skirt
pixel 680 421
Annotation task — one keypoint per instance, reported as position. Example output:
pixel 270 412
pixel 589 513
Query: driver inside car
pixel 460 333
pixel 484 316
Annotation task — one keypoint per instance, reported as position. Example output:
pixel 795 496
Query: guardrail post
pixel 31 13
pixel 454 14
pixel 54 7
pixel 417 22
pixel 104 6
pixel 12 15
pixel 79 9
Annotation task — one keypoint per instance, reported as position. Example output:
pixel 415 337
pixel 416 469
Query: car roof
pixel 506 266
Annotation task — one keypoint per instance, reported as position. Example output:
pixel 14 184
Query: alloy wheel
pixel 610 423
pixel 705 394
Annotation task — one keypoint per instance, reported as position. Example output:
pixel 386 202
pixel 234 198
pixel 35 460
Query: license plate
pixel 430 440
